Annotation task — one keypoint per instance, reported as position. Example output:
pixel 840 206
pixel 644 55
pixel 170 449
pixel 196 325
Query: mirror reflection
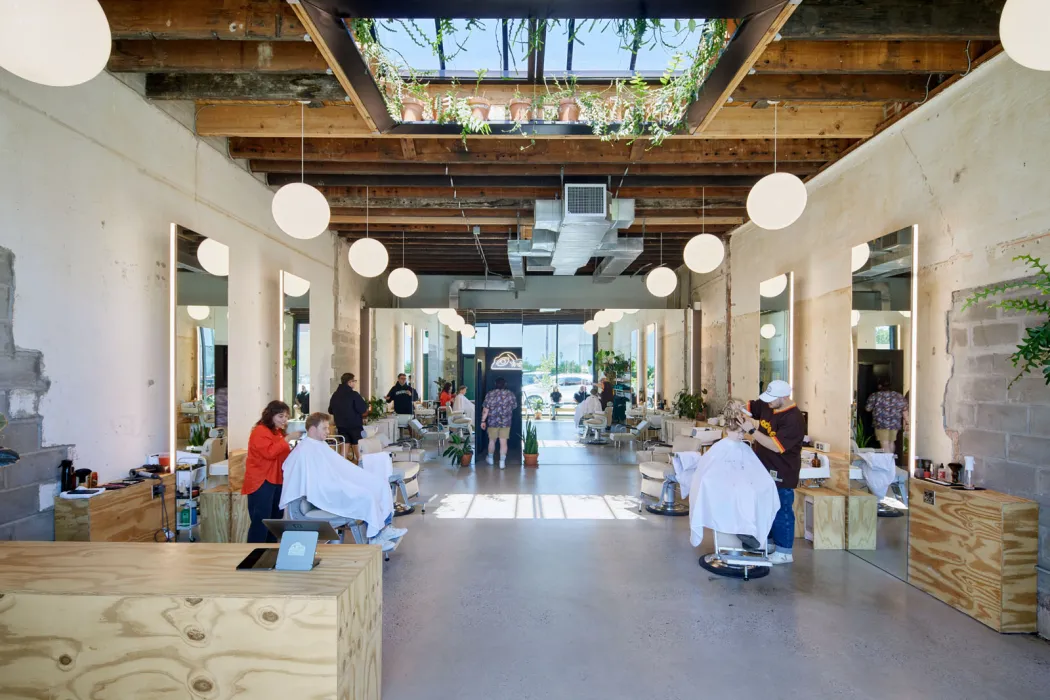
pixel 775 329
pixel 295 344
pixel 881 321
pixel 201 345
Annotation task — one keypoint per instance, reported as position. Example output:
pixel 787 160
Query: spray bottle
pixel 968 473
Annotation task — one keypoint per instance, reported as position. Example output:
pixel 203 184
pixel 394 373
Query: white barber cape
pixel 879 470
pixel 315 471
pixel 731 492
pixel 592 404
pixel 462 403
pixel 378 464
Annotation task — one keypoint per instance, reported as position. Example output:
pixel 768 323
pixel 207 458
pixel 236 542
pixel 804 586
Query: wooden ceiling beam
pixel 845 88
pixel 872 57
pixel 493 221
pixel 243 86
pixel 614 171
pixel 345 121
pixel 849 20
pixel 210 56
pixel 524 213
pixel 257 20
pixel 508 151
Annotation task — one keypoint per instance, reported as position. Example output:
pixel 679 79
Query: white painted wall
pixel 388 328
pixel 670 346
pixel 969 169
pixel 92 178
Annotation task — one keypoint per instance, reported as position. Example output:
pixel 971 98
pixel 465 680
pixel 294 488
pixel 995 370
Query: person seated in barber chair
pixel 730 490
pixel 593 404
pixel 316 472
pixel 581 394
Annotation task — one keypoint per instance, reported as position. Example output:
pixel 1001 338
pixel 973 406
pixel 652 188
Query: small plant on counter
pixel 376 408
pixel 459 450
pixel 1034 351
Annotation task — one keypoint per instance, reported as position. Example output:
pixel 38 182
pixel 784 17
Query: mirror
pixel 776 329
pixel 882 323
pixel 200 351
pixel 295 344
pixel 652 398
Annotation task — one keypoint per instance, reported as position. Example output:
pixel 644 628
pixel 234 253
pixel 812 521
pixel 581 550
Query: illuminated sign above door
pixel 507 361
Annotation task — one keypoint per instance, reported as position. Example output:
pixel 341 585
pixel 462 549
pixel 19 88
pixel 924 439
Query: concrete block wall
pixel 28 485
pixel 1005 427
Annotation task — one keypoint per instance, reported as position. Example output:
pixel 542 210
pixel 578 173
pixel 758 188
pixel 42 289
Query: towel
pixel 879 470
pixel 378 463
pixel 731 492
pixel 685 464
pixel 329 482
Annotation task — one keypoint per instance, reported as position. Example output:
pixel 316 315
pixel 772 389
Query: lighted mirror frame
pixel 789 330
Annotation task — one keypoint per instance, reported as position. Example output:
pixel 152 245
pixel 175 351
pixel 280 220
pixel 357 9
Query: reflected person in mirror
pixel 887 408
pixel 403 396
pixel 777 429
pixel 349 409
pixel 302 399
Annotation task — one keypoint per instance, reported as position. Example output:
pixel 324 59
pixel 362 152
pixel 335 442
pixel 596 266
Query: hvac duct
pixel 495 285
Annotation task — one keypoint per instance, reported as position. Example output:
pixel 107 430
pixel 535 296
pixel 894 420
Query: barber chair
pixel 403 419
pixel 660 482
pixel 461 424
pixel 594 428
pixel 214 449
pixel 302 509
pixel 404 480
pixel 640 431
pixel 733 560
pixel 420 433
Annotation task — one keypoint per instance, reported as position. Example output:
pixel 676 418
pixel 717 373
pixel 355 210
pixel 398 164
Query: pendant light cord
pixel 366 211
pixel 703 210
pixel 302 141
pixel 774 138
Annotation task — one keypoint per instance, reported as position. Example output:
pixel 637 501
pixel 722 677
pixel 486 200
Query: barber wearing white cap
pixel 777 432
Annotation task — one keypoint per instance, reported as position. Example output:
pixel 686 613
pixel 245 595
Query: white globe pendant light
pixel 301 211
pixel 859 256
pixel 602 318
pixel 704 253
pixel 906 314
pixel 214 257
pixel 468 331
pixel 198 313
pixel 773 287
pixel 54 42
pixel 446 315
pixel 630 311
pixel 458 323
pixel 777 200
pixel 661 281
pixel 767 331
pixel 614 315
pixel 590 327
pixel 1024 29
pixel 402 282
pixel 429 312
pixel 368 257
pixel 295 286
pixel 854 318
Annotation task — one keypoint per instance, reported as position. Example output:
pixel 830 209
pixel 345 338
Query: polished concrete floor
pixel 549 584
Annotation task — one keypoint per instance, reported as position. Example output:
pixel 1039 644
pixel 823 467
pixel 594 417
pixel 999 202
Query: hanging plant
pixel 627 109
pixel 1034 351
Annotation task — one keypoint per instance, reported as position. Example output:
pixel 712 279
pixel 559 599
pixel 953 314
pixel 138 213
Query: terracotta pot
pixel 479 108
pixel 615 109
pixel 411 110
pixel 532 460
pixel 568 110
pixel 539 415
pixel 464 460
pixel 520 110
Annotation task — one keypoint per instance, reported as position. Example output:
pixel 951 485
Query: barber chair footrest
pixel 735 566
pixel 668 509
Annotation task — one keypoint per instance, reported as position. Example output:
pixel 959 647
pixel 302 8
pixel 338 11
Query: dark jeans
pixel 783 531
pixel 263 504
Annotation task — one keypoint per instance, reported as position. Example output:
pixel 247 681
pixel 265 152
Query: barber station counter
pixel 110 621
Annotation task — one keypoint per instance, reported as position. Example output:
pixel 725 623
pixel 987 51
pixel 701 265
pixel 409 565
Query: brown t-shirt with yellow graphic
pixel 786 427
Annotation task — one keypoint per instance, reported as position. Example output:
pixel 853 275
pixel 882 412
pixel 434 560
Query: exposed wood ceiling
pixel 841 70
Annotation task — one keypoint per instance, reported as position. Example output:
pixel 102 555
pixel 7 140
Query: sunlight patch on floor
pixel 513 506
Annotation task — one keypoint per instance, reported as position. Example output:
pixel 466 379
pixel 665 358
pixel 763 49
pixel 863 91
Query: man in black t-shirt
pixel 403 396
pixel 777 432
pixel 348 410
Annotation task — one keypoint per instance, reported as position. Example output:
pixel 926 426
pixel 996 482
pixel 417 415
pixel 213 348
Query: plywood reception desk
pixel 112 621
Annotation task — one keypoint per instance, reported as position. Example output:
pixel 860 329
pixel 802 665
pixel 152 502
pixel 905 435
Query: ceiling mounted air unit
pixel 585 202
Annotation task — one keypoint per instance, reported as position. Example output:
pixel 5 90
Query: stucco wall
pixel 93 177
pixel 969 169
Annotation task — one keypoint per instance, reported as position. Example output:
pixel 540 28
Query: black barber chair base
pixel 717 565
pixel 401 509
pixel 665 509
pixel 885 511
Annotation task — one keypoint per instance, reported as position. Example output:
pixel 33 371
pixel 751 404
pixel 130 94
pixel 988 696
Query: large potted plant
pixel 376 408
pixel 692 406
pixel 531 447
pixel 613 365
pixel 459 450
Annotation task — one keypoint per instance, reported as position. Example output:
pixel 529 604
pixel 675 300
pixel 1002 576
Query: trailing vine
pixel 1034 350
pixel 628 109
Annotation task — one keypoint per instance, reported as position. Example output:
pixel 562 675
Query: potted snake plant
pixel 531 447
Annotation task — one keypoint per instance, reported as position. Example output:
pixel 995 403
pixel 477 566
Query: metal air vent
pixel 586 201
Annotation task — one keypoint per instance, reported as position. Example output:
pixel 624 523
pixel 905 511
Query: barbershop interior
pixel 582 350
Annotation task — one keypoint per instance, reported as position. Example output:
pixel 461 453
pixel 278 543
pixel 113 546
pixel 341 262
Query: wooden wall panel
pixel 236 473
pixel 127 515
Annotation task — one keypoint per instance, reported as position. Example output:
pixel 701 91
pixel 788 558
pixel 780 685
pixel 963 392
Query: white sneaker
pixel 503 464
pixel 389 545
pixel 781 558
pixel 488 458
pixel 389 533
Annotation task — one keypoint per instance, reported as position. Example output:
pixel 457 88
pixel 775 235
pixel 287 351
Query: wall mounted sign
pixel 507 361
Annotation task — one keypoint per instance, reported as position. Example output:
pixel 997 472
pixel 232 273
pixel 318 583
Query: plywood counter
pixel 976 551
pixel 111 621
